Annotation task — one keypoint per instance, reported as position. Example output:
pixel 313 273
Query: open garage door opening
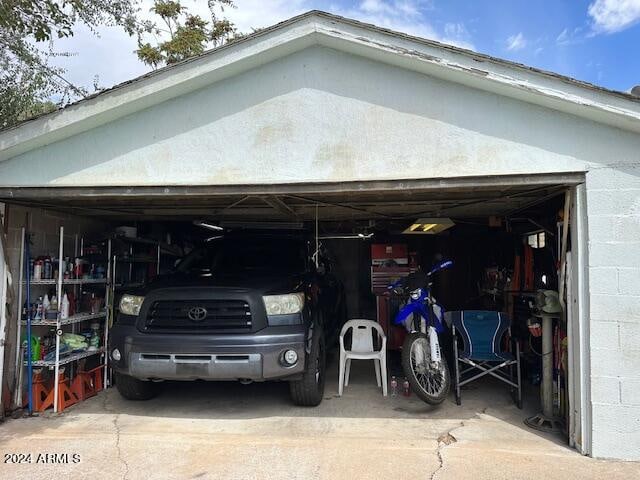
pixel 192 272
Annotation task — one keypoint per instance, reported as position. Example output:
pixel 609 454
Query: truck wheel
pixel 308 391
pixel 134 389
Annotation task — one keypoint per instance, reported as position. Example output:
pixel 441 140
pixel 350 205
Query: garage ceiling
pixel 466 198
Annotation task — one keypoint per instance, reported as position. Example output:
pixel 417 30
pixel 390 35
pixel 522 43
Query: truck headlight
pixel 284 304
pixel 130 304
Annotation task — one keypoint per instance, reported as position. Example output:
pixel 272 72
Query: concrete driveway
pixel 227 430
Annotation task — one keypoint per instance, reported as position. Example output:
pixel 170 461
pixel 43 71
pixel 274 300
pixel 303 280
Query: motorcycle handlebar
pixel 440 266
pixel 400 285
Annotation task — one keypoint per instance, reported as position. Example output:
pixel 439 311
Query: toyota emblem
pixel 197 314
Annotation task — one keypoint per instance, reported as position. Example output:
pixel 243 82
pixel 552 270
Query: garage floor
pixel 227 430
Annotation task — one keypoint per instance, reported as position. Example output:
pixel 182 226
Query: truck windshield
pixel 241 255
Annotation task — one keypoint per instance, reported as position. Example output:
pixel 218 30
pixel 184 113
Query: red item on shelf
pixel 528 268
pixel 72 303
pixel 383 253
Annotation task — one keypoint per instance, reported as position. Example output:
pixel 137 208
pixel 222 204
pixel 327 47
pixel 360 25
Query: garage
pixel 484 227
pixel 504 170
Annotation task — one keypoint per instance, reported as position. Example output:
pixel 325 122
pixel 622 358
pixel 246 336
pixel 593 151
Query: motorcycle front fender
pixel 421 309
pixel 408 310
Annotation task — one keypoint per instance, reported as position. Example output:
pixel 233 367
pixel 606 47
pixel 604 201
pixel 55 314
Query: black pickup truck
pixel 241 307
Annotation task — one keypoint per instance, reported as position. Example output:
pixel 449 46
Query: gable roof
pixel 618 109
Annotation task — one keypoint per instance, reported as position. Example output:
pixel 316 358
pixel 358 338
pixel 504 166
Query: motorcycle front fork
pixel 434 347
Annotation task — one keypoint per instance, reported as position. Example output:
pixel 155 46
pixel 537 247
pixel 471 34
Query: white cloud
pixel 375 6
pixel 454 29
pixel 610 16
pixel 457 34
pixel 516 42
pixel 563 37
pixel 570 37
pixel 406 16
pixel 251 14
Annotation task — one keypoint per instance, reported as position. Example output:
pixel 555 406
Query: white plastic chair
pixel 362 349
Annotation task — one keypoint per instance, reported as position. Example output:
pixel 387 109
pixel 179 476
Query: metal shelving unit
pixel 130 260
pixel 67 281
pixel 67 359
pixel 78 318
pixel 26 284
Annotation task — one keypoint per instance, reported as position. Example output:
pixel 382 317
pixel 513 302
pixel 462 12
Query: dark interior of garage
pixel 505 244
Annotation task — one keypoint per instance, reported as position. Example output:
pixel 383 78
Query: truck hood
pixel 258 282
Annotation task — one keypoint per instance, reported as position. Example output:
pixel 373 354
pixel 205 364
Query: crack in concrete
pixel 119 450
pixel 447 439
pixel 444 440
pixel 116 427
pixel 441 460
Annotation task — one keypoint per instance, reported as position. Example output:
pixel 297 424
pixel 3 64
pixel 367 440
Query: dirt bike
pixel 422 361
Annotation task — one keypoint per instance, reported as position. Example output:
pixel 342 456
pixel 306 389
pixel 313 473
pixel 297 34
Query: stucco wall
pixel 321 115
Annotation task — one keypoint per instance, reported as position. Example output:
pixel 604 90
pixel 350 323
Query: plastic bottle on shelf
pixel 45 303
pixel 94 342
pixel 38 315
pixel 94 304
pixel 54 305
pixel 64 307
pixel 77 273
pixel 48 271
pixel 37 270
pixel 35 348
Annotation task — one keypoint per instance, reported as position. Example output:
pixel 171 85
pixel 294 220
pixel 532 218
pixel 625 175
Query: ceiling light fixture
pixel 429 226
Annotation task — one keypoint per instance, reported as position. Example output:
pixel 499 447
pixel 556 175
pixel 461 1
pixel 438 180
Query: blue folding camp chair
pixel 481 333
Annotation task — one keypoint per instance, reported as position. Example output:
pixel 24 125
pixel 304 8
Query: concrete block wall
pixel 45 225
pixel 613 208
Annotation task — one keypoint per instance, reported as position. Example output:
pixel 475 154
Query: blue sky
pixel 593 40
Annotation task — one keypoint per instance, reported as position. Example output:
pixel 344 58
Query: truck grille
pixel 198 315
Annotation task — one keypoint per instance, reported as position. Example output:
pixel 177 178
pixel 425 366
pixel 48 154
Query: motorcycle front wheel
pixel 431 384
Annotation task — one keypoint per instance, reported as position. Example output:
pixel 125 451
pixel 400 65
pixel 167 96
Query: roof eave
pixel 550 90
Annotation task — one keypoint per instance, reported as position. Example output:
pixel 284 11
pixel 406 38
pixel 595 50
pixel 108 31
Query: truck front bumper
pixel 254 356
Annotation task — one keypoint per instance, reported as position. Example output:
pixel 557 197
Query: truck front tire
pixel 308 391
pixel 134 389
